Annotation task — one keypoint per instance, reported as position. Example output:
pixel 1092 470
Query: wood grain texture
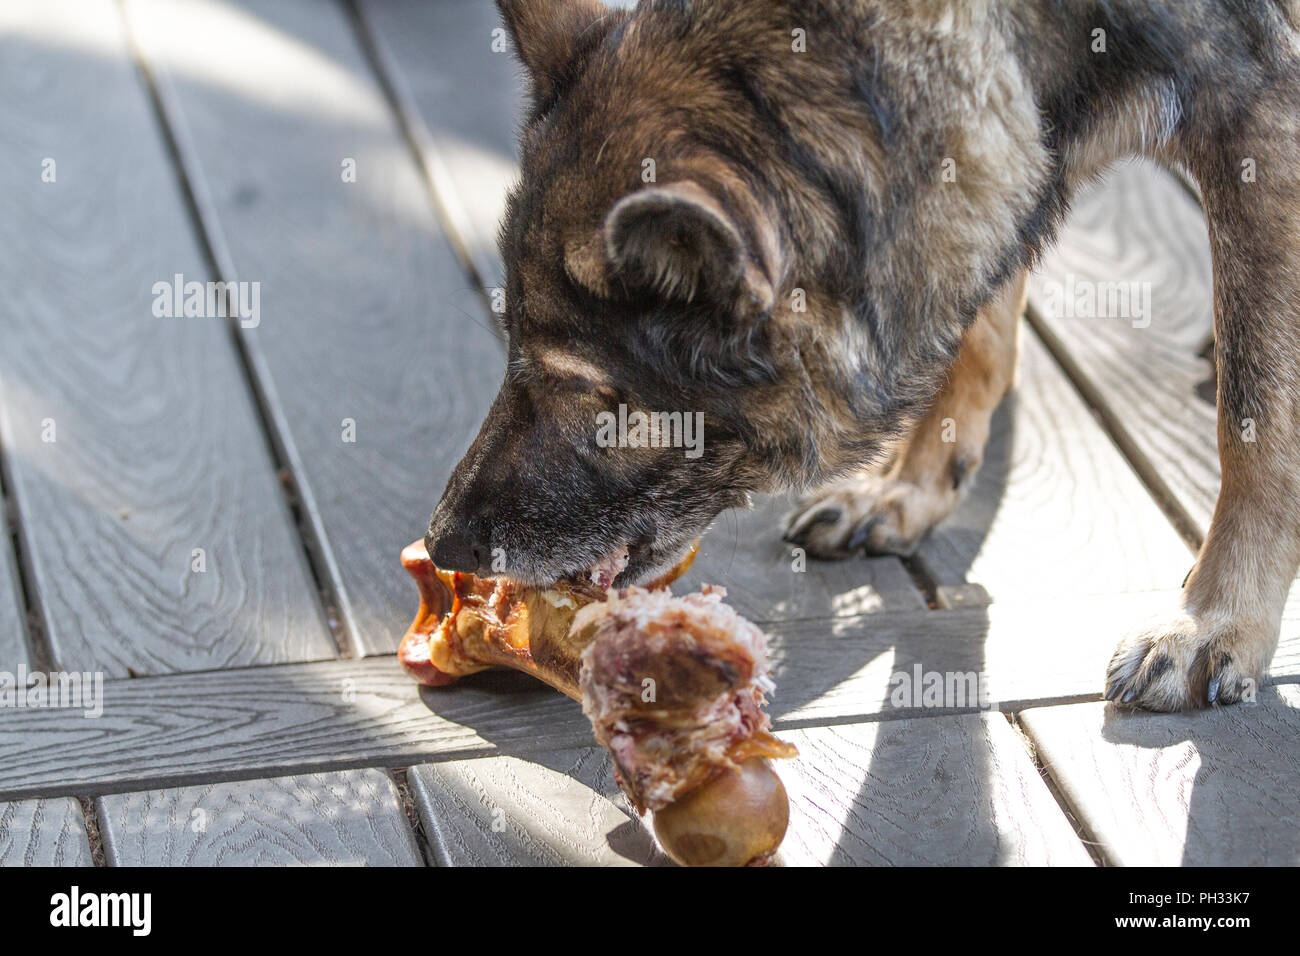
pixel 263 722
pixel 948 790
pixel 1149 381
pixel 943 791
pixel 1215 788
pixel 432 54
pixel 131 439
pixel 13 626
pixel 348 818
pixel 47 832
pixel 1055 510
pixel 367 315
pixel 545 809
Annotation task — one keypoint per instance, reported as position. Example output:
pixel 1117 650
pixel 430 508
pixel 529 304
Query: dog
pixel 811 221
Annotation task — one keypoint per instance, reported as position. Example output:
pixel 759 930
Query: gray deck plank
pixel 367 315
pixel 262 722
pixel 1055 509
pixel 1216 788
pixel 157 733
pixel 1149 382
pixel 545 809
pixel 131 439
pixel 433 53
pixel 950 791
pixel 13 628
pixel 1027 651
pixel 46 832
pixel 348 818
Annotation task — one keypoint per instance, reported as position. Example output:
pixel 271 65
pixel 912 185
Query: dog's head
pixel 648 292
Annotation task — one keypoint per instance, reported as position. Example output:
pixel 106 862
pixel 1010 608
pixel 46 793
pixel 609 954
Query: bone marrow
pixel 674 688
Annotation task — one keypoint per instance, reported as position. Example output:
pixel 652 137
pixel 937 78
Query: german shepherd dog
pixel 810 221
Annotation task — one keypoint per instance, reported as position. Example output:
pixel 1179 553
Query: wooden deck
pixel 253 711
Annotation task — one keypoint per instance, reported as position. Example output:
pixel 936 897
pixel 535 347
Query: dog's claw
pixel 870 513
pixel 1179 665
pixel 862 534
pixel 1122 680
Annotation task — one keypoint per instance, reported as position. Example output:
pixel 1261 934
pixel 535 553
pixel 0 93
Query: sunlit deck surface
pixel 209 513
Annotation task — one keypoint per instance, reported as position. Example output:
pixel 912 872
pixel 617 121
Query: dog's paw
pixel 1184 664
pixel 871 513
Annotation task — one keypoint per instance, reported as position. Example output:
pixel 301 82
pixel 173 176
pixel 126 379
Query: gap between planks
pixel 1090 844
pixel 220 264
pixel 419 141
pixel 29 643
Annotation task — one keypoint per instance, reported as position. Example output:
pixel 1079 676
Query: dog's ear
pixel 550 36
pixel 677 240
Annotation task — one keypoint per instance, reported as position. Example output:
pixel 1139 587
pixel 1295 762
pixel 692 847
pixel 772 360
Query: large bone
pixel 726 809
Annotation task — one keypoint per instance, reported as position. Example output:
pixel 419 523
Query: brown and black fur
pixel 820 173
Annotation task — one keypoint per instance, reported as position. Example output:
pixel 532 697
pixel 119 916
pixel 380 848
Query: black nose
pixel 457 551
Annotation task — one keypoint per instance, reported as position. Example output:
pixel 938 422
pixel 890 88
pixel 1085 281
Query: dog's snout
pixel 457 549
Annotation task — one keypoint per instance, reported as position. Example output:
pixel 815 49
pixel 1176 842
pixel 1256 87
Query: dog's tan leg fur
pixel 889 511
pixel 1217 649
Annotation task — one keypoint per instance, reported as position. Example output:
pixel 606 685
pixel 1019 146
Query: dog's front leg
pixel 890 511
pixel 1218 648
